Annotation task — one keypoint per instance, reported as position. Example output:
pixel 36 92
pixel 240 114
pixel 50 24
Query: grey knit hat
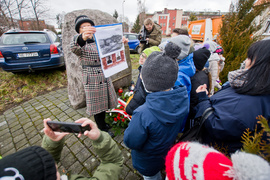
pixel 160 70
pixel 183 41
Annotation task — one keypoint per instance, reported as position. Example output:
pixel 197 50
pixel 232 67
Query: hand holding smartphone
pixel 67 127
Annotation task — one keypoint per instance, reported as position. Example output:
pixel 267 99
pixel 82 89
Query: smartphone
pixel 68 127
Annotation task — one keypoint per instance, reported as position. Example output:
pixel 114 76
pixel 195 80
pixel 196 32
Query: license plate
pixel 23 55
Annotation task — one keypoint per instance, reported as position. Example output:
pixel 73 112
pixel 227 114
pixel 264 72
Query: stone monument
pixel 73 68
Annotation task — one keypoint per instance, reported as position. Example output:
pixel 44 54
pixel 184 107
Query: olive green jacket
pixel 154 38
pixel 105 148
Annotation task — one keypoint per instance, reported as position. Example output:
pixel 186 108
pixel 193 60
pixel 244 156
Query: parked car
pixel 30 51
pixel 133 41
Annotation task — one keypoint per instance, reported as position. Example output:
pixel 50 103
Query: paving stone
pixel 85 173
pixel 27 125
pixel 10 111
pixel 124 172
pixel 7 149
pixel 18 137
pixel 76 148
pixel 91 164
pixel 14 127
pixel 3 126
pixel 126 154
pixel 71 140
pixel 5 139
pixel 132 176
pixel 83 155
pixel 64 153
pixel 68 160
pixel 129 164
pixel 22 144
pixel 76 167
pixel 35 140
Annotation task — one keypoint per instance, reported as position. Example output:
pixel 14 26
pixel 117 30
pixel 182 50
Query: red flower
pixel 123 120
pixel 114 119
pixel 118 117
pixel 118 114
pixel 120 90
pixel 121 107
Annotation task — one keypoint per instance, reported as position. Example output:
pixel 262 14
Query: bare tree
pixel 38 10
pixel 21 4
pixel 6 9
pixel 60 19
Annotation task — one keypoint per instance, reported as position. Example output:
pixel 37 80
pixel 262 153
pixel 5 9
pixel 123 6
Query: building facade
pixel 168 19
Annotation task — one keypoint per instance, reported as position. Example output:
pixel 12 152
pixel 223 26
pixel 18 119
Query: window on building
pixel 161 32
pixel 173 18
pixel 164 17
pixel 173 24
pixel 161 17
pixel 160 24
pixel 163 24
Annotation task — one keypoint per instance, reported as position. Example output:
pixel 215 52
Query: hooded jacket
pixel 154 127
pixel 186 71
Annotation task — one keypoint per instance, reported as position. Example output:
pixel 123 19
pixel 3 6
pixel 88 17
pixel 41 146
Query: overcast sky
pixel 130 6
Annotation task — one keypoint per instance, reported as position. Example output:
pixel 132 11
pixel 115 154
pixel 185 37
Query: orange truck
pixel 205 29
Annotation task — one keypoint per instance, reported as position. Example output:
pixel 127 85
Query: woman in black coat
pixel 236 106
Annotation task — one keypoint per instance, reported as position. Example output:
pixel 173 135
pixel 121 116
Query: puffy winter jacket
pixel 154 127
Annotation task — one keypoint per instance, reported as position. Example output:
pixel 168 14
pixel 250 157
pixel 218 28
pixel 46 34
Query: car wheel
pixel 137 49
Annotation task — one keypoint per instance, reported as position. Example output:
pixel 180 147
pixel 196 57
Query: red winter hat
pixel 188 160
pixel 191 160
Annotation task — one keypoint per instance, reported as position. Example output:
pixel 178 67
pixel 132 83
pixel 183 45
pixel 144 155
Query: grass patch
pixel 17 88
pixel 134 58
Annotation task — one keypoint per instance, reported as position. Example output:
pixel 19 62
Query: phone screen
pixel 67 127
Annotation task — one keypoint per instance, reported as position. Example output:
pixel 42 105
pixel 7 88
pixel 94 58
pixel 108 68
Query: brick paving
pixel 21 127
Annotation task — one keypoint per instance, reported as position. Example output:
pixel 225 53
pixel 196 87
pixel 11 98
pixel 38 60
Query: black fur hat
pixel 82 19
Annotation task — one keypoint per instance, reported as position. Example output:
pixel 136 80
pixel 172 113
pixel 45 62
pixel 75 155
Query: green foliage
pixel 253 143
pixel 116 120
pixel 136 27
pixel 192 17
pixel 237 32
pixel 115 15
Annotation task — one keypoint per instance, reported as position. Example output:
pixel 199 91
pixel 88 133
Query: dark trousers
pixel 100 120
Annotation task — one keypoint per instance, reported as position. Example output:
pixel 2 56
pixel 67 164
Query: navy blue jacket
pixel 233 114
pixel 138 97
pixel 154 127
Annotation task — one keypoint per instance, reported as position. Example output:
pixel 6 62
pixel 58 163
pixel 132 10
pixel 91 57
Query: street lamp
pixel 123 20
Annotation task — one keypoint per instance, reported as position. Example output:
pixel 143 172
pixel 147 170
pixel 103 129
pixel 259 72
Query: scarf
pixel 237 78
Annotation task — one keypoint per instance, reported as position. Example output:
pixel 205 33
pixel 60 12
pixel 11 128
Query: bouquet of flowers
pixel 117 118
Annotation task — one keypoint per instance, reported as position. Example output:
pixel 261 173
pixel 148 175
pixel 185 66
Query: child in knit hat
pixel 185 62
pixel 155 124
pixel 138 98
pixel 202 76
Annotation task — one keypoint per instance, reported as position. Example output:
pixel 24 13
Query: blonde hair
pixel 148 21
